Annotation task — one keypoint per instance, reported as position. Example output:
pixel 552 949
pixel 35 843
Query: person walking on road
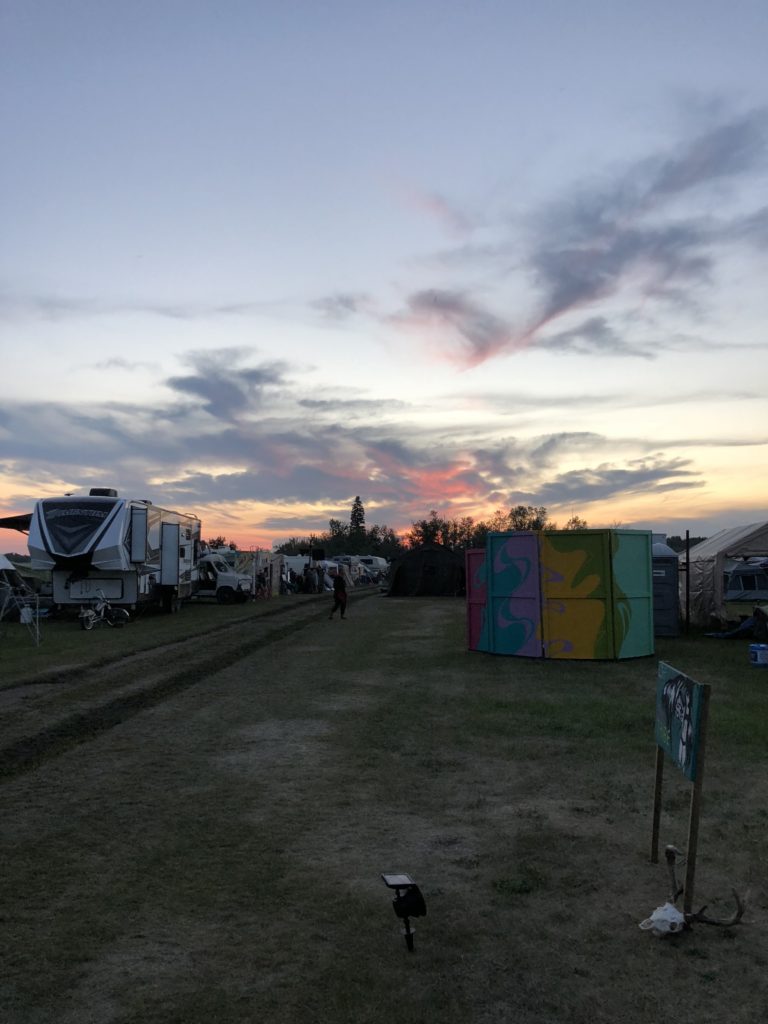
pixel 339 595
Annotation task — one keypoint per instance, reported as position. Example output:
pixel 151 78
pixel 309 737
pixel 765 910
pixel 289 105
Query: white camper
pixel 374 562
pixel 218 577
pixel 132 550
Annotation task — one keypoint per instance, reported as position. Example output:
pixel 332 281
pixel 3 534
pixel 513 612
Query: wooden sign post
pixel 682 710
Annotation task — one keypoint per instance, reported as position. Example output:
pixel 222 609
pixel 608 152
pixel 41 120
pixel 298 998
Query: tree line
pixel 355 538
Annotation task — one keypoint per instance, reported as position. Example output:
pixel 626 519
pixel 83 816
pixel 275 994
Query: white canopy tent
pixel 708 562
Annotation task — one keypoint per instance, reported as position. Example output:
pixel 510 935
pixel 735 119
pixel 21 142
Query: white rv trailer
pixel 132 550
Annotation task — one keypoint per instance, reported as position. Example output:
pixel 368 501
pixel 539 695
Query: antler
pixel 725 922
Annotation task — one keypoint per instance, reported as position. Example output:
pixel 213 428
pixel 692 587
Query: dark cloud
pixel 479 332
pixel 597 265
pixel 578 488
pixel 226 389
pixel 341 306
pixel 592 336
pixel 544 451
pixel 724 151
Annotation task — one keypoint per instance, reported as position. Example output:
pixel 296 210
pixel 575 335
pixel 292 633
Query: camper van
pixel 217 577
pixel 133 551
pixel 375 565
pixel 374 562
pixel 745 585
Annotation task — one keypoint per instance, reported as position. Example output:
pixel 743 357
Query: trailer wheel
pixel 225 595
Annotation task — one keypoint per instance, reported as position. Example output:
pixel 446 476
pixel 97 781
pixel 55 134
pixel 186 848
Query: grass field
pixel 217 857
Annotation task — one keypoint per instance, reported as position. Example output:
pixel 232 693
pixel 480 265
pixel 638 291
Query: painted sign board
pixel 678 718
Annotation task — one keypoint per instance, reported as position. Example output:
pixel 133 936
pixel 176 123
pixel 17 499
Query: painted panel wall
pixel 585 594
pixel 578 628
pixel 632 563
pixel 575 564
pixel 576 585
pixel 514 594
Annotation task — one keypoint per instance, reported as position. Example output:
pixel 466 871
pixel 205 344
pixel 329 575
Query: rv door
pixel 169 555
pixel 138 535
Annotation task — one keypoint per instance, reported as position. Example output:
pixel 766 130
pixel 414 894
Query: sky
pixel 259 258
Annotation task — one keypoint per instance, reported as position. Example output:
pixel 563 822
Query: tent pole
pixel 687 581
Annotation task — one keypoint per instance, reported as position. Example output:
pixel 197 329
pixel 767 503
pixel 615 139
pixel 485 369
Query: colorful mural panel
pixel 585 594
pixel 512 562
pixel 577 628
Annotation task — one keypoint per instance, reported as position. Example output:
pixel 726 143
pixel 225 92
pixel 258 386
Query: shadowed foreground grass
pixel 217 857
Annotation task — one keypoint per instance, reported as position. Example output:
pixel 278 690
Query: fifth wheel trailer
pixel 132 550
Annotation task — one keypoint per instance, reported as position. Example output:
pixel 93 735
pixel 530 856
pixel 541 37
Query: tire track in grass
pixel 30 752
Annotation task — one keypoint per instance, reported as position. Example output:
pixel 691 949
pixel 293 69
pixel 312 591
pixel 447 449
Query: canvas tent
pixel 429 571
pixel 708 563
pixel 12 587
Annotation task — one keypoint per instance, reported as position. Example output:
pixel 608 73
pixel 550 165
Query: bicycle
pixel 103 614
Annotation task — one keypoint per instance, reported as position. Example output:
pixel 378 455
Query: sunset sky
pixel 258 258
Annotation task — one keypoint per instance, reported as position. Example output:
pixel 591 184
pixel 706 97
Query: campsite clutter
pixel 18 601
pixel 102 552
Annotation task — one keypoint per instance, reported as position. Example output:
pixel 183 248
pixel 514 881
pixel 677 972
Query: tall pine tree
pixel 357 517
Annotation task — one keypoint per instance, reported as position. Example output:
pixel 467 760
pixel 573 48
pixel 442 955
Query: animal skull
pixel 665 920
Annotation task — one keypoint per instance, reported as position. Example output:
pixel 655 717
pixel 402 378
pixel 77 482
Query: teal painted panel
pixel 632 565
pixel 632 562
pixel 513 611
pixel 633 624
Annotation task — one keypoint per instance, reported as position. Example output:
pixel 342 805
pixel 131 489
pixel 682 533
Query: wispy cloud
pixel 593 336
pixel 647 235
pixel 341 306
pixel 447 213
pixel 461 330
pixel 26 305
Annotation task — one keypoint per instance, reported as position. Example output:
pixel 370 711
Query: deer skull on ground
pixel 665 920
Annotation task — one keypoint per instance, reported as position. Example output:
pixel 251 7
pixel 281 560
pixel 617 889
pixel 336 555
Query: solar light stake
pixel 408 902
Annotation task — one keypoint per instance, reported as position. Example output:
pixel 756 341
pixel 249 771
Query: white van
pixel 374 562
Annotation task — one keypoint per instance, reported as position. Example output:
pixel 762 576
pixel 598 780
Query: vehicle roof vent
pixel 102 492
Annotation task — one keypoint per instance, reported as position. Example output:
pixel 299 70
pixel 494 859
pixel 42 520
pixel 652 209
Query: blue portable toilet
pixel 666 595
